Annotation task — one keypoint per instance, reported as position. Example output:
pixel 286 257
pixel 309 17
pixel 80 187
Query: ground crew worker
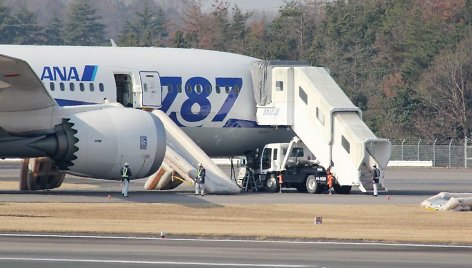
pixel 375 179
pixel 330 179
pixel 200 180
pixel 125 176
pixel 281 181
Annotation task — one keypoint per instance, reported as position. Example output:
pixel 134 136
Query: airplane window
pixel 52 86
pixel 198 89
pixel 345 144
pixel 208 89
pixel 92 87
pixel 320 116
pixel 227 89
pixel 279 85
pixel 302 95
pixel 218 90
pixel 236 89
pixel 82 87
pixel 179 88
pixel 101 87
pixel 61 85
pixel 188 88
pixel 72 86
pixel 169 88
pixel 145 87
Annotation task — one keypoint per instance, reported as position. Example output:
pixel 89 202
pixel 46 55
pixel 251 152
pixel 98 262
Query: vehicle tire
pixel 312 186
pixel 272 184
pixel 342 189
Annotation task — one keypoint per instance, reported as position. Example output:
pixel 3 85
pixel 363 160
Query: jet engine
pixel 94 143
pixel 106 139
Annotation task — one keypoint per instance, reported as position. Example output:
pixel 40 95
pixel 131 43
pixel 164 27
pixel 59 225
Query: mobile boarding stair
pixel 308 100
pixel 247 181
pixel 181 161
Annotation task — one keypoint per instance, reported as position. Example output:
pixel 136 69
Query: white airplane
pixel 86 108
pixel 58 102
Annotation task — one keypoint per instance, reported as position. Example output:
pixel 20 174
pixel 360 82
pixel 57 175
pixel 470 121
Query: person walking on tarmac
pixel 125 176
pixel 375 179
pixel 200 180
pixel 330 179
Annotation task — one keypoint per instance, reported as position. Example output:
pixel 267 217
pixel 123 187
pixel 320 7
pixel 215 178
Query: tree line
pixel 406 63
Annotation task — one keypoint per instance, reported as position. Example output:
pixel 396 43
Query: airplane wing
pixel 20 88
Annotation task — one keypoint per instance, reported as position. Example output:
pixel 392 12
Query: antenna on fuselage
pixel 113 44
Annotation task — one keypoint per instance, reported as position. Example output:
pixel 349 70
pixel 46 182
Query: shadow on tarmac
pixel 84 196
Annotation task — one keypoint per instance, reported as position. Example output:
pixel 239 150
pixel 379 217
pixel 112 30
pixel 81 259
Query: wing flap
pixel 20 88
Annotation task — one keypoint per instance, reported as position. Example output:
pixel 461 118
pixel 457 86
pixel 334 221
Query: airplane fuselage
pixel 207 93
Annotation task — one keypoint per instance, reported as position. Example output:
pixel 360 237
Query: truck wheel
pixel 272 184
pixel 342 189
pixel 312 185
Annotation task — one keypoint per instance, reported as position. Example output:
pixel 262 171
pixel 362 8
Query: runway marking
pixel 241 240
pixel 153 262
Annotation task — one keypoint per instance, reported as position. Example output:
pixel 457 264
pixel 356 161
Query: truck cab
pixel 296 165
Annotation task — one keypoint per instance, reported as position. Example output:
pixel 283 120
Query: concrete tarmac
pixel 405 186
pixel 62 251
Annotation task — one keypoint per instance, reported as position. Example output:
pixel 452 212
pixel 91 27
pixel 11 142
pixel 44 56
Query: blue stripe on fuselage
pixel 64 102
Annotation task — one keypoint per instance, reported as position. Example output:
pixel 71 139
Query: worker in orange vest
pixel 281 181
pixel 330 178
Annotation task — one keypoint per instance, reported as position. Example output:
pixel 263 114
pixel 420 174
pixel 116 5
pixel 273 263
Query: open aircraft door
pixel 151 88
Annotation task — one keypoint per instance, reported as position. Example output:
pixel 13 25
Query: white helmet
pixel 200 165
pixel 126 164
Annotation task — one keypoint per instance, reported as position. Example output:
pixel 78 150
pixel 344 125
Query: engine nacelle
pixel 106 139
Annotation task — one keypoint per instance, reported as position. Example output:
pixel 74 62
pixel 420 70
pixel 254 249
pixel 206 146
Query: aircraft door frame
pixel 151 89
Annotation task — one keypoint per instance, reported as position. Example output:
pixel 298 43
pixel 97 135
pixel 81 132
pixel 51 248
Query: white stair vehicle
pixel 308 100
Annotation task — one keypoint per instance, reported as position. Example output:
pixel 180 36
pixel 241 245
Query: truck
pixel 292 165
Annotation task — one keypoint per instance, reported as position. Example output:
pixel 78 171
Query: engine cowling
pixel 106 139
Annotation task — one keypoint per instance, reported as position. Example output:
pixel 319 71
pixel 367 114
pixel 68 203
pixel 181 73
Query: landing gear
pixel 39 174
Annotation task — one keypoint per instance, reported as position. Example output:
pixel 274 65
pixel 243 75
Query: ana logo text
pixel 61 73
pixel 271 112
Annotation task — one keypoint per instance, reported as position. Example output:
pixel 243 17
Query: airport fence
pixel 442 153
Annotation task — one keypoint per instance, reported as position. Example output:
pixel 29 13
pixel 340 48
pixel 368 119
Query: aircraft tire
pixel 23 186
pixel 32 181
